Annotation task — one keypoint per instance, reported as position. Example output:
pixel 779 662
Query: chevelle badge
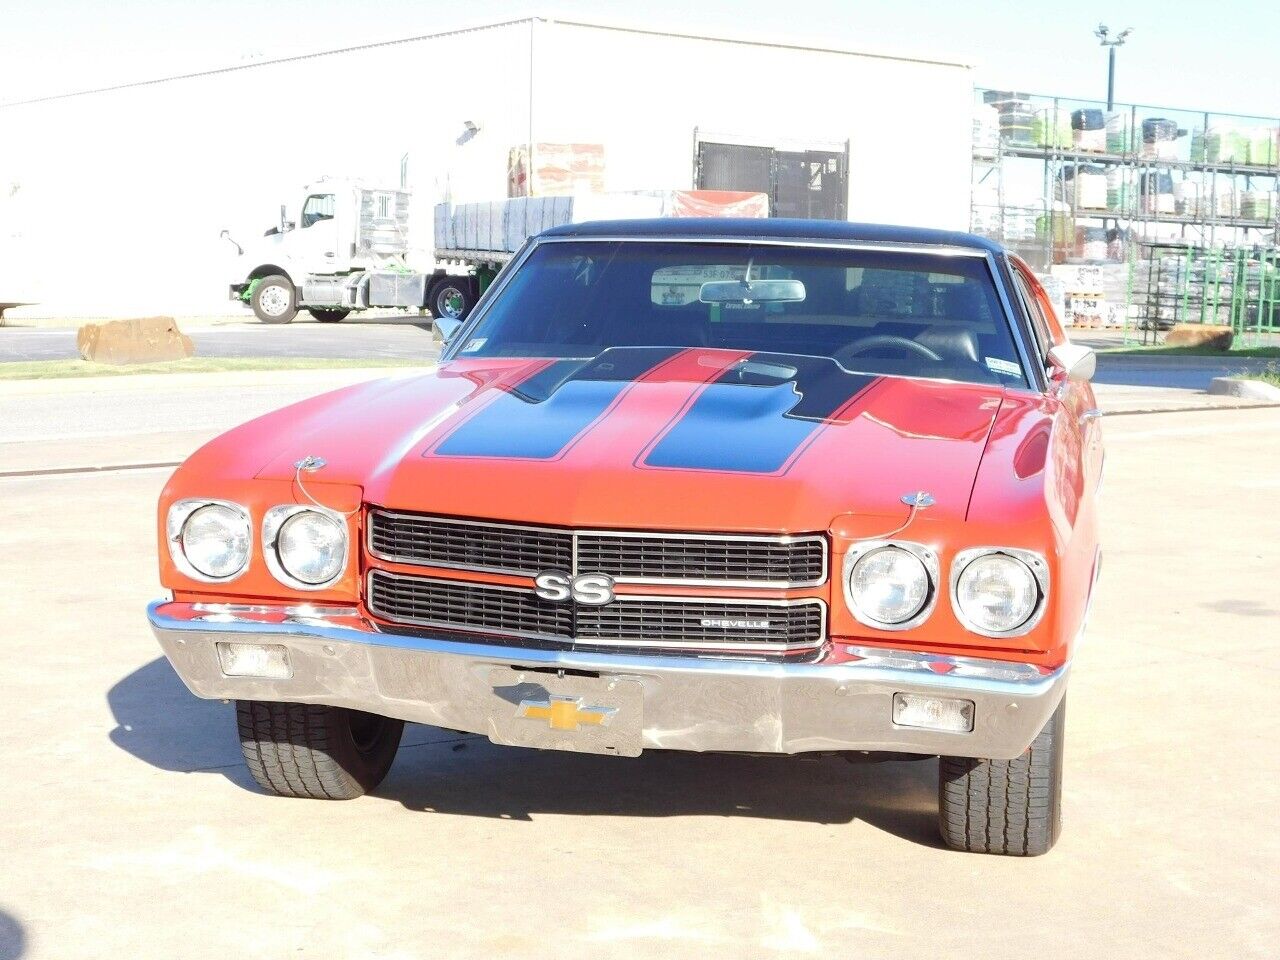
pixel 725 623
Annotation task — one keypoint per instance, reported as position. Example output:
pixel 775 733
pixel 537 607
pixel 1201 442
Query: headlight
pixel 304 547
pixel 209 540
pixel 890 586
pixel 999 592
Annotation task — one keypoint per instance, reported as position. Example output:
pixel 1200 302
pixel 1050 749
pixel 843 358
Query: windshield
pixel 875 311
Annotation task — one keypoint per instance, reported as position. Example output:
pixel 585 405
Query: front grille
pixel 520 550
pixel 466 545
pixel 484 608
pixel 658 558
pixel 632 621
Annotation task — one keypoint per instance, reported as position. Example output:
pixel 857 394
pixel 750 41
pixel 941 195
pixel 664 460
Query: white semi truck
pixel 348 249
pixel 346 252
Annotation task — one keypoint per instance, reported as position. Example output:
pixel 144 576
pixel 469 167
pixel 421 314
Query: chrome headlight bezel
pixel 1034 562
pixel 275 519
pixel 927 556
pixel 179 513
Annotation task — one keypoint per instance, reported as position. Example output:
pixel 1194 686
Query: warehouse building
pixel 113 200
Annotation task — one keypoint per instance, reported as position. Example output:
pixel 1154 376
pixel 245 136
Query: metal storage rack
pixel 1237 287
pixel 1217 178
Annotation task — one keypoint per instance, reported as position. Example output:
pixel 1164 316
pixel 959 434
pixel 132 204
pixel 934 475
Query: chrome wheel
pixel 274 301
pixel 451 302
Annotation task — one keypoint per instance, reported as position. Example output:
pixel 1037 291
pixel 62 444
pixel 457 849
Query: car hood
pixel 648 438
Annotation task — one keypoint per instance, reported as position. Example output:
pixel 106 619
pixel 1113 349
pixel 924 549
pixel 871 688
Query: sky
pixel 1195 55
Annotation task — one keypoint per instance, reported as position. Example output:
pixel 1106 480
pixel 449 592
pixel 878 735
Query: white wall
pixel 121 195
pixel 642 95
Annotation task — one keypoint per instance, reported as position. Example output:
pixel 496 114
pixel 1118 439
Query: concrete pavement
pixel 131 829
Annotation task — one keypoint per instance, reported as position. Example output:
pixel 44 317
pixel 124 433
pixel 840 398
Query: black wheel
pixel 314 751
pixel 328 316
pixel 452 297
pixel 275 300
pixel 1011 807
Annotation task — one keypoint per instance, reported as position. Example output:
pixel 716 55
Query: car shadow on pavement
pixel 473 777
pixel 161 723
pixel 13 939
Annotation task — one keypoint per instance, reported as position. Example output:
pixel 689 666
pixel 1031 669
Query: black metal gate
pixel 810 184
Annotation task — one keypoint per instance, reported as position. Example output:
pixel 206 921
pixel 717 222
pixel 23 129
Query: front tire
pixel 1009 807
pixel 313 751
pixel 452 297
pixel 328 316
pixel 275 300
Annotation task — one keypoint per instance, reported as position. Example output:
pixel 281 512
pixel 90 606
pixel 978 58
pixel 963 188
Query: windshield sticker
pixel 474 345
pixel 1006 367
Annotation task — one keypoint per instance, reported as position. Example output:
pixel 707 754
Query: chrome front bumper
pixel 341 659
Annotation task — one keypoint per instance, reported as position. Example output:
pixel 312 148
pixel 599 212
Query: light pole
pixel 1104 38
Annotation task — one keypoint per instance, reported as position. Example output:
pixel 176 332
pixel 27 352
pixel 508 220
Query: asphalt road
pixel 399 338
pixel 130 827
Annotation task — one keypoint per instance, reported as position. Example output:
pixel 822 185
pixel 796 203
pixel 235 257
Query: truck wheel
pixel 452 297
pixel 328 316
pixel 274 300
pixel 1011 807
pixel 314 751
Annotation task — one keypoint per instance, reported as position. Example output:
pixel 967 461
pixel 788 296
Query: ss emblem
pixel 590 589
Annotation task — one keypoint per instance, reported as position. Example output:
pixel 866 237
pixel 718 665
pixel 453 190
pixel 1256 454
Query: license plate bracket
pixel 581 714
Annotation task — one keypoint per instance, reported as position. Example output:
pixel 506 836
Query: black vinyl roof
pixel 772 229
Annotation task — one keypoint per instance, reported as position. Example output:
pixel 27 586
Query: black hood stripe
pixel 758 415
pixel 541 416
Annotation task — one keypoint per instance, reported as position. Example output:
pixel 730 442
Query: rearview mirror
pixel 445 329
pixel 1073 362
pixel 751 291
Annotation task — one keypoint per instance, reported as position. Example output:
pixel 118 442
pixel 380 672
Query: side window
pixel 319 206
pixel 1039 325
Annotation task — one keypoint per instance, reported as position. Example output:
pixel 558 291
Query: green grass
pixel 59 369
pixel 1231 354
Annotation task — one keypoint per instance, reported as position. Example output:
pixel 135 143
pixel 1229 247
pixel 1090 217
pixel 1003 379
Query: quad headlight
pixel 209 540
pixel 999 592
pixel 305 547
pixel 890 586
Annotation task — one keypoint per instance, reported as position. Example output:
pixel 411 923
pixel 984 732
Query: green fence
pixel 1235 287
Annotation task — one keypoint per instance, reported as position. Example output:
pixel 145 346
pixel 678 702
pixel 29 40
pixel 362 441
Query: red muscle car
pixel 767 486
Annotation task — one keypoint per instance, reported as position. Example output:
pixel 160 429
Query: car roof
pixel 771 229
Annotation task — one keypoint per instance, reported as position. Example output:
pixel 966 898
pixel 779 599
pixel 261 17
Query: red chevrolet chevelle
pixel 766 486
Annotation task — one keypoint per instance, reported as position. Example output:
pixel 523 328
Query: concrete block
pixel 145 340
pixel 1245 389
pixel 1200 335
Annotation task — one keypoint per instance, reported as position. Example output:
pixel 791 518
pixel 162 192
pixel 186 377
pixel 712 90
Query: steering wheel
pixel 886 340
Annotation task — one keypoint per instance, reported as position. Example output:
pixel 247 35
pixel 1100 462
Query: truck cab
pixel 345 252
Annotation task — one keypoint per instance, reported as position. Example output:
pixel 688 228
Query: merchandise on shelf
pixel 1156 189
pixel 1222 142
pixel 1084 187
pixel 1091 243
pixel 1160 138
pixel 1016 115
pixel 986 130
pixel 1088 130
pixel 1264 146
pixel 1118 138
pixel 1258 205
pixel 1119 188
pixel 1186 198
pixel 1051 127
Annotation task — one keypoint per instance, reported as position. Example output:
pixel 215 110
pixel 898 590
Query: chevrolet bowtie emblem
pixel 565 713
